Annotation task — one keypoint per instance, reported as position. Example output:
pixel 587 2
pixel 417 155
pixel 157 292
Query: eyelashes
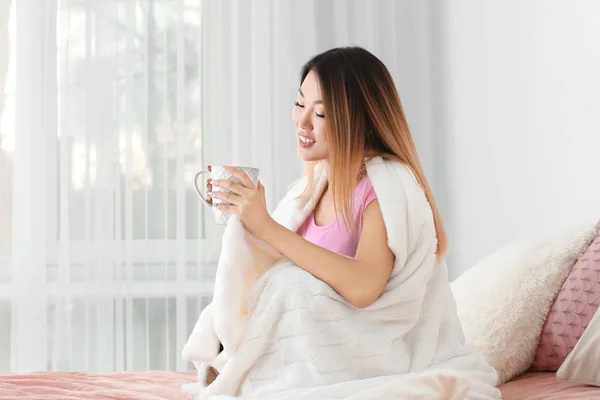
pixel 302 106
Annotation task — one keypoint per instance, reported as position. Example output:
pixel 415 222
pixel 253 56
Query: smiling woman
pixel 361 263
pixel 340 134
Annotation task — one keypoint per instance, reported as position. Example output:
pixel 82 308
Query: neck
pixel 359 175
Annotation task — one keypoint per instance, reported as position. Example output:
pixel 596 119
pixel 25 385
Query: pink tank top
pixel 335 236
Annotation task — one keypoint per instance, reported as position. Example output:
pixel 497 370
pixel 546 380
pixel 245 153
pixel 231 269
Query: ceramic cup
pixel 218 172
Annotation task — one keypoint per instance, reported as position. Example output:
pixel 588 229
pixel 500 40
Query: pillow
pixel 582 363
pixel 503 301
pixel 576 303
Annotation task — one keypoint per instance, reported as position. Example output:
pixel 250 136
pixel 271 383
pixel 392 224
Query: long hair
pixel 364 119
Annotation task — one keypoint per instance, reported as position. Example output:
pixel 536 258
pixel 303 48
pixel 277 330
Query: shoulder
pixel 401 198
pixel 393 177
pixel 365 194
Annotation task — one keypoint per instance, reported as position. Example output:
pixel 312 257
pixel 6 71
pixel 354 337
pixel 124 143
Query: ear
pixel 261 187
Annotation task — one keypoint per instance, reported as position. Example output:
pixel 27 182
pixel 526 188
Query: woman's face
pixel 309 120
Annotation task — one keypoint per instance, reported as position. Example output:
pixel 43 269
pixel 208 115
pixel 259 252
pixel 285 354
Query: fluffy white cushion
pixel 503 300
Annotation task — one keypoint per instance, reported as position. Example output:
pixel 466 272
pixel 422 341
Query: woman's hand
pixel 209 187
pixel 247 200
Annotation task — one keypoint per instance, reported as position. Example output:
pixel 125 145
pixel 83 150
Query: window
pixel 128 262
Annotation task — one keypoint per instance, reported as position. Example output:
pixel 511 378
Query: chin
pixel 307 155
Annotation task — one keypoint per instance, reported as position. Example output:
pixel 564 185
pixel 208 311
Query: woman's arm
pixel 359 280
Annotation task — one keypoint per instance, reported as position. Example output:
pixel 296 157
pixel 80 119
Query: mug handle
pixel 200 194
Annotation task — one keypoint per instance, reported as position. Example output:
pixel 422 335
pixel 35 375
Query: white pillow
pixel 503 300
pixel 582 365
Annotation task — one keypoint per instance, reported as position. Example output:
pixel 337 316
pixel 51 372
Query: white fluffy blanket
pixel 287 335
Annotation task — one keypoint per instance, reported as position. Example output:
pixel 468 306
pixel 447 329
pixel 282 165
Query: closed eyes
pixel 297 104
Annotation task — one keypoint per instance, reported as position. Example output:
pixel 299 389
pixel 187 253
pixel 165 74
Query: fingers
pixel 241 175
pixel 228 197
pixel 208 190
pixel 232 186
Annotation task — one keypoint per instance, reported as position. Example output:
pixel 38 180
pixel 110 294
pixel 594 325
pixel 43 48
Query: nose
pixel 304 122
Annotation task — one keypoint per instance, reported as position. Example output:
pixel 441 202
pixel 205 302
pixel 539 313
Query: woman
pixel 380 248
pixel 342 116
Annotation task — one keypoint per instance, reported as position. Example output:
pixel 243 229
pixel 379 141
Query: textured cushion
pixel 581 365
pixel 572 311
pixel 502 302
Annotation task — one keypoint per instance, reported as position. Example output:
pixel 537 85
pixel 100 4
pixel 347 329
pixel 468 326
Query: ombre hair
pixel 364 119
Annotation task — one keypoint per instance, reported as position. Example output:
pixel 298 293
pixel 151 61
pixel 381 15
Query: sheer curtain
pixel 108 108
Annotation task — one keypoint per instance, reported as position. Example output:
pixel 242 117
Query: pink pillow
pixel 572 311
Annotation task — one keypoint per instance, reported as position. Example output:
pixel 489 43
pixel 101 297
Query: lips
pixel 304 140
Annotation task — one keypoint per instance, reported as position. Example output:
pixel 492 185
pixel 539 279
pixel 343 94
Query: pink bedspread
pixel 151 385
pixel 545 386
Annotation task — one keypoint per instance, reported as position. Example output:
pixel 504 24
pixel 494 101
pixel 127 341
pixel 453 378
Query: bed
pixel 545 386
pixel 150 385
pixel 155 385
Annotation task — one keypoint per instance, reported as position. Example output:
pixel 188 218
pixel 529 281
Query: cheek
pixel 320 132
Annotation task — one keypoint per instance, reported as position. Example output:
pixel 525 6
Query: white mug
pixel 218 172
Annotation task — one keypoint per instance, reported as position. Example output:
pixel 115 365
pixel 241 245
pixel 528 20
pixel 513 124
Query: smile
pixel 305 141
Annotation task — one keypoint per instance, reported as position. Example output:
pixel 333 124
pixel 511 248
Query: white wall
pixel 520 104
